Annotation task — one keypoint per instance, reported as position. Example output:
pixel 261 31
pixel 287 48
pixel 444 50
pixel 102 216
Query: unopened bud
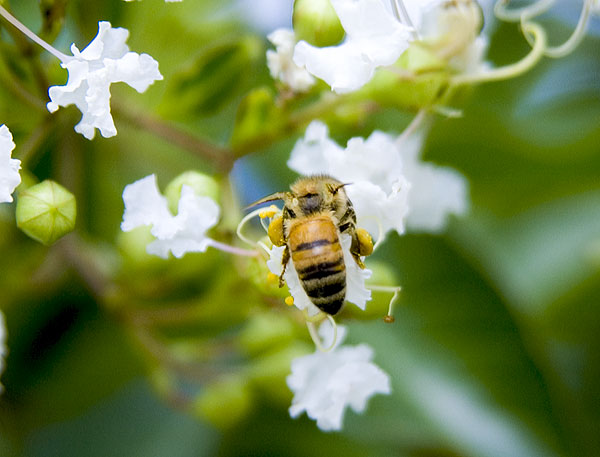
pixel 316 22
pixel 46 212
pixel 203 185
pixel 224 402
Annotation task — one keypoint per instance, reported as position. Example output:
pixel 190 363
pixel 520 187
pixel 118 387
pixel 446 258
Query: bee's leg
pixel 362 245
pixel 285 258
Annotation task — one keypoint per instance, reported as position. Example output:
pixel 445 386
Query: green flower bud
pixel 268 372
pixel 416 81
pixel 225 402
pixel 46 212
pixel 265 331
pixel 316 22
pixel 202 184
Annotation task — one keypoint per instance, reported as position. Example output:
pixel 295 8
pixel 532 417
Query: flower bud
pixel 46 212
pixel 224 402
pixel 203 185
pixel 316 22
pixel 266 330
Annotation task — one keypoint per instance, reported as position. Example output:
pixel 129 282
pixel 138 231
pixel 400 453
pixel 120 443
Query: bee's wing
pixel 269 198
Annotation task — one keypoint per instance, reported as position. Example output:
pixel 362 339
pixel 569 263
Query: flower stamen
pixel 310 324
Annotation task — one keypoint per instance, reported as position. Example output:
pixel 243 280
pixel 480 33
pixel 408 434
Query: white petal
pixel 180 234
pixel 144 205
pixel 195 217
pixel 314 153
pixel 378 211
pixel 9 168
pixel 374 37
pixel 435 193
pixel 280 63
pixel 324 384
pixel 91 72
pixel 356 292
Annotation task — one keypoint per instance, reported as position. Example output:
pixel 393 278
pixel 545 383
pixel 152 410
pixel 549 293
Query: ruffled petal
pixel 91 72
pixel 9 167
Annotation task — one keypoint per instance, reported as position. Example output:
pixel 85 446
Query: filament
pixel 516 69
pixel 396 293
pixel 573 41
pixel 315 337
pixel 232 249
pixel 32 36
pixel 527 12
pixel 243 237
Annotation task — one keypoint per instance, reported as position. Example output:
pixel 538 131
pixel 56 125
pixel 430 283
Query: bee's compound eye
pixel 365 242
pixel 275 231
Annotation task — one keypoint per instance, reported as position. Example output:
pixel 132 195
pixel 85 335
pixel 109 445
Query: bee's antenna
pixel 268 198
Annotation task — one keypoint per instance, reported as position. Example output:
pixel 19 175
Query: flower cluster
pixel 378 32
pixel 9 168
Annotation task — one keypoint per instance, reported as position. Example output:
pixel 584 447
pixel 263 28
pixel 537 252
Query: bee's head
pixel 317 193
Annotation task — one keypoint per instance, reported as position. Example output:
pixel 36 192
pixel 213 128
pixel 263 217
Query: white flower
pixel 186 232
pixel 435 192
pixel 356 292
pixel 9 168
pixel 280 63
pixel 2 346
pixel 388 184
pixel 453 30
pixel 374 37
pixel 325 383
pixel 373 168
pixel 91 72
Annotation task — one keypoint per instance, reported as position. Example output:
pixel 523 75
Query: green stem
pixel 219 156
pixel 513 70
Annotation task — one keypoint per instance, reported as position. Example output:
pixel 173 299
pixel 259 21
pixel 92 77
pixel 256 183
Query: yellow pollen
pixel 271 277
pixel 289 300
pixel 268 212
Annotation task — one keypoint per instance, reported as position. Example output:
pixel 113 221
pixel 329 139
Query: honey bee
pixel 316 211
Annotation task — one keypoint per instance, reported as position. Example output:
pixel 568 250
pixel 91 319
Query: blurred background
pixel 495 349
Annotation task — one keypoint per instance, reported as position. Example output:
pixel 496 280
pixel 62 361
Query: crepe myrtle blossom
pixel 389 186
pixel 356 292
pixel 280 63
pixel 374 37
pixel 185 232
pixel 326 383
pixel 105 60
pixel 2 346
pixel 9 168
pixel 379 31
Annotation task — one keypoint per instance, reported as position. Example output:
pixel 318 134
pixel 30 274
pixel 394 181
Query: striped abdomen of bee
pixel 317 255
